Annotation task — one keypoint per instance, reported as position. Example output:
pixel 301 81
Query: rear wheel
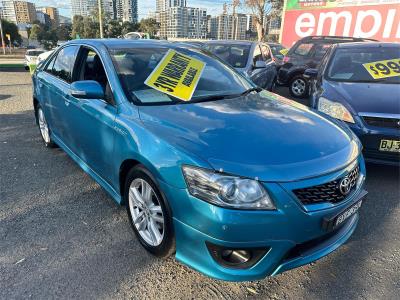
pixel 298 86
pixel 149 213
pixel 44 128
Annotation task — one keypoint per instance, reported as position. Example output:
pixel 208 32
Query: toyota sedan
pixel 234 181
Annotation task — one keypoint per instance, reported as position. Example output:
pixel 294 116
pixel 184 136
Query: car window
pixel 276 50
pixel 134 65
pixel 303 49
pixel 257 55
pixel 64 63
pixel 266 52
pixel 320 50
pixel 235 55
pixel 91 68
pixel 348 65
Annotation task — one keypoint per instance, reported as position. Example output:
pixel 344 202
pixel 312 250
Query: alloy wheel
pixel 146 212
pixel 298 87
pixel 44 128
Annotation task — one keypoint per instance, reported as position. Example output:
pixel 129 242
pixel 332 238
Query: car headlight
pixel 227 191
pixel 335 110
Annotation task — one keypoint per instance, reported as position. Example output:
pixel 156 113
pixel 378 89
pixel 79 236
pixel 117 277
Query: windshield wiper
pixel 253 89
pixel 213 97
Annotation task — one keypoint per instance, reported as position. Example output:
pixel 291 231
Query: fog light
pixel 236 258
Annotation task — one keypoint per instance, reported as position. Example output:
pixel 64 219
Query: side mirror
pixel 260 64
pixel 87 89
pixel 311 73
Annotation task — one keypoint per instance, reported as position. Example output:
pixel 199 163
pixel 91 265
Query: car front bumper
pixel 371 138
pixel 291 236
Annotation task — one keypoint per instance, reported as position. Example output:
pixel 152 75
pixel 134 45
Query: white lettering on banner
pixel 300 23
pixel 334 18
pixel 368 23
pixel 389 23
pixel 361 16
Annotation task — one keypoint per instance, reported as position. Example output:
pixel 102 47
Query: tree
pixel 64 32
pixel 263 10
pixel 113 29
pixel 11 29
pixel 129 27
pixel 85 27
pixel 150 26
pixel 35 32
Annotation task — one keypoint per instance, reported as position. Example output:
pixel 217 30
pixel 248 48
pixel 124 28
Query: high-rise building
pixel 43 18
pixel 53 14
pixel 231 27
pixel 9 11
pixel 124 10
pixel 179 21
pixel 83 7
pixel 19 11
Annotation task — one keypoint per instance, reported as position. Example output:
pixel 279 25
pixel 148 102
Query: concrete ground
pixel 61 235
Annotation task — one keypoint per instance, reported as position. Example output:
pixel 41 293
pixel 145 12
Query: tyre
pixel 298 86
pixel 149 213
pixel 44 128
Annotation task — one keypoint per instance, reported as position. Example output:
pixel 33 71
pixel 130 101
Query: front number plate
pixel 339 219
pixel 389 145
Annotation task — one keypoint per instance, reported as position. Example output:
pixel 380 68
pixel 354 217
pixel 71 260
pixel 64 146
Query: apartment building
pixel 52 13
pixel 228 27
pixel 19 11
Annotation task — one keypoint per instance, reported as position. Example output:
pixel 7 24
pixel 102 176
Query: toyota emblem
pixel 345 185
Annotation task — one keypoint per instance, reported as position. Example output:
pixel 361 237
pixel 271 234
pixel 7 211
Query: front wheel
pixel 149 213
pixel 298 86
pixel 44 128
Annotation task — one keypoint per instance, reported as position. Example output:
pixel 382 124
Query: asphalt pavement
pixel 62 236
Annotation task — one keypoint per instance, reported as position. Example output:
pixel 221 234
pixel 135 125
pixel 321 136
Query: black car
pixel 252 59
pixel 306 53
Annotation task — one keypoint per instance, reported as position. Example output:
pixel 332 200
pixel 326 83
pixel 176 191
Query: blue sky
pixel 213 6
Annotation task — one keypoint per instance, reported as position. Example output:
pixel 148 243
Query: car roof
pixel 119 43
pixel 368 45
pixel 230 42
pixel 317 38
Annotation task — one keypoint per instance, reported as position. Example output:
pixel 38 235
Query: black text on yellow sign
pixel 176 75
pixel 383 68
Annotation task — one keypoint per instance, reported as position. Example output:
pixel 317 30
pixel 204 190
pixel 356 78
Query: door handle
pixel 40 84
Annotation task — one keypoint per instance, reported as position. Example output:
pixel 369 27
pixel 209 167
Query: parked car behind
pixel 306 53
pixel 277 52
pixel 31 56
pixel 250 58
pixel 237 182
pixel 366 97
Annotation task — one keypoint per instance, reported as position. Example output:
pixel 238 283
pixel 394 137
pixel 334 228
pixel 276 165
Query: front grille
pixel 382 122
pixel 328 192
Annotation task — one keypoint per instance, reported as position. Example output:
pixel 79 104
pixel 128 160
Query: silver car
pixel 31 56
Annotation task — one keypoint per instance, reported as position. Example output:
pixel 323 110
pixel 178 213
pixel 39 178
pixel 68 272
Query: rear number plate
pixel 389 145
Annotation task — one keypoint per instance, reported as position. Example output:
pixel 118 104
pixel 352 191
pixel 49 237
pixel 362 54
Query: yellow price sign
pixel 383 68
pixel 284 51
pixel 8 36
pixel 176 75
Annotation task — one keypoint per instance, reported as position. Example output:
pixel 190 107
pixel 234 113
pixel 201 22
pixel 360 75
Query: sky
pixel 214 7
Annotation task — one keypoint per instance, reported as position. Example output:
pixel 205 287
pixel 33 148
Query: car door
pixel 255 74
pixel 263 77
pixel 55 82
pixel 92 120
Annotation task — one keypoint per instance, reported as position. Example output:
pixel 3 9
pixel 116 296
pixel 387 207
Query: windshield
pixel 368 64
pixel 235 55
pixel 276 50
pixel 135 65
pixel 34 52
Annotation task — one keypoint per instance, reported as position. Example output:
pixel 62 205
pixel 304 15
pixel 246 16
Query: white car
pixel 43 56
pixel 31 56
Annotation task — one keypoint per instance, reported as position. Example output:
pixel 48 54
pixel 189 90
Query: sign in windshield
pixel 383 68
pixel 176 75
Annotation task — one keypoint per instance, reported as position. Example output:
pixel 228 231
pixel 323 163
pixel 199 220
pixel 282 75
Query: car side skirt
pixel 103 183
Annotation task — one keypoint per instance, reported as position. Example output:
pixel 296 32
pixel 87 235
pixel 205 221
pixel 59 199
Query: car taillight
pixel 286 59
